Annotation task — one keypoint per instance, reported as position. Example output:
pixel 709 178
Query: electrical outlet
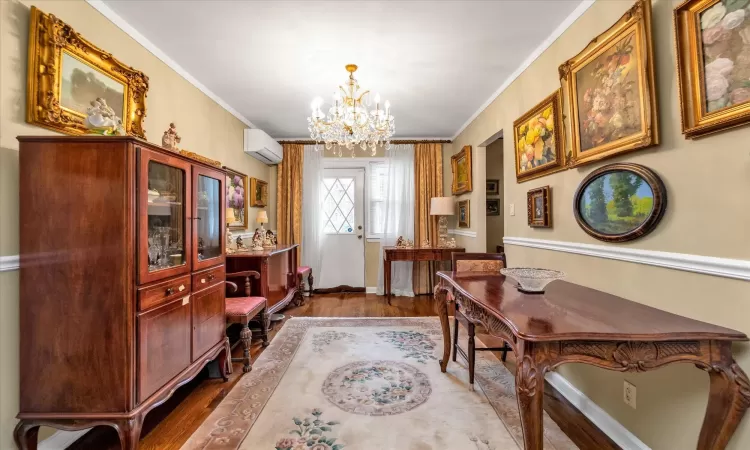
pixel 628 394
pixel 512 209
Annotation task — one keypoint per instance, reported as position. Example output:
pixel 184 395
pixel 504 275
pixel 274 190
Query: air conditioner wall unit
pixel 262 147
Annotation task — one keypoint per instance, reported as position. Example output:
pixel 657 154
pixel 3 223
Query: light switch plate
pixel 628 394
pixel 512 209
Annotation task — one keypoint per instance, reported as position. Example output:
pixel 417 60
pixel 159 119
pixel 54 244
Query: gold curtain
pixel 289 196
pixel 428 176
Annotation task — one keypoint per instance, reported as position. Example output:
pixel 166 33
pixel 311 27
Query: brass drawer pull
pixel 170 291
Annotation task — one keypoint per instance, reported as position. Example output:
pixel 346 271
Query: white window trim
pixel 359 163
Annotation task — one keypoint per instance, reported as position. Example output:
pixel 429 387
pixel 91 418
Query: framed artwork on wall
pixel 259 193
pixel 236 213
pixel 461 170
pixel 713 65
pixel 539 207
pixel 539 138
pixel 620 202
pixel 493 187
pixel 610 90
pixel 493 207
pixel 77 74
pixel 464 218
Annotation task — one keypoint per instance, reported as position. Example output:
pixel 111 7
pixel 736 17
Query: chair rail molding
pixel 9 263
pixel 708 265
pixel 467 233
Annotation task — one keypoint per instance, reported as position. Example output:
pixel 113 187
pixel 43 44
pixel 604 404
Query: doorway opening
pixel 495 230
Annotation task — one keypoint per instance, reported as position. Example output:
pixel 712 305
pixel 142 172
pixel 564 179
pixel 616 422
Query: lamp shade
pixel 262 217
pixel 441 206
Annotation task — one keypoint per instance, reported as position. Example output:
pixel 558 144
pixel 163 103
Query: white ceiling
pixel 437 62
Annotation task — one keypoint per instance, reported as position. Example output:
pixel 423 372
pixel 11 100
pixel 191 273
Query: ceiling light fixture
pixel 348 122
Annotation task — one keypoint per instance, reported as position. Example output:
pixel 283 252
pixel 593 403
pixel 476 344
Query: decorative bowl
pixel 532 281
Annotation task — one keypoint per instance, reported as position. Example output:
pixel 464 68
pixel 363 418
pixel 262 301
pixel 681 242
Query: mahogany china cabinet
pixel 121 281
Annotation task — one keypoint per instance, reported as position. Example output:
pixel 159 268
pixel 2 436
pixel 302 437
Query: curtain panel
pixel 312 210
pixel 289 196
pixel 428 179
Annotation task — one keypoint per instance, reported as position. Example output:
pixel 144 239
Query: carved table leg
pixel 25 435
pixel 387 279
pixel 441 308
pixel 530 393
pixel 225 360
pixel 246 337
pixel 310 280
pixel 129 432
pixel 729 398
pixel 265 318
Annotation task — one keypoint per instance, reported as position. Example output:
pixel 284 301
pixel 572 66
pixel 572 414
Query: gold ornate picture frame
pixel 237 200
pixel 713 65
pixel 539 207
pixel 258 193
pixel 461 170
pixel 464 214
pixel 539 138
pixel 610 90
pixel 57 55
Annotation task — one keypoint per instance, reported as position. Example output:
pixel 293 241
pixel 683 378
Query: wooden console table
pixel 412 254
pixel 278 273
pixel 571 323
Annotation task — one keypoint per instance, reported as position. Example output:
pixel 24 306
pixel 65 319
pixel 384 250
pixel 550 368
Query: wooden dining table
pixel 570 323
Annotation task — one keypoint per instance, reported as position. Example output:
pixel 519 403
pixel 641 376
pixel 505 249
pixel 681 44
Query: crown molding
pixel 122 24
pixel 407 140
pixel 707 265
pixel 9 263
pixel 556 33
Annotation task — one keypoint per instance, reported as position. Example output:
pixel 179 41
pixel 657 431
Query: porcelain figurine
pixel 426 243
pixel 404 243
pixel 257 241
pixel 239 242
pixel 171 138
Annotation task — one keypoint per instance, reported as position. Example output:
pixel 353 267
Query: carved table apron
pixel 572 323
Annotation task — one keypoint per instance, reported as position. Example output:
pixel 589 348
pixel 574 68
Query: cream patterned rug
pixel 367 384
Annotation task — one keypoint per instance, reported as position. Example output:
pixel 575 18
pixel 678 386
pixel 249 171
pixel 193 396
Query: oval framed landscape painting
pixel 620 202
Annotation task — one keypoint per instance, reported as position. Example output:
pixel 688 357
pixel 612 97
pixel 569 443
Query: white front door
pixel 343 229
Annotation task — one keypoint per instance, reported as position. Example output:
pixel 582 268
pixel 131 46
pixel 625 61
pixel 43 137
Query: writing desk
pixel 571 323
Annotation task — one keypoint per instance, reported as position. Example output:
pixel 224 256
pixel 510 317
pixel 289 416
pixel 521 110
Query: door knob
pixel 359 227
pixel 359 236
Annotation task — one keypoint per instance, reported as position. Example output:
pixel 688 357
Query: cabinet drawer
pixel 208 277
pixel 163 345
pixel 158 294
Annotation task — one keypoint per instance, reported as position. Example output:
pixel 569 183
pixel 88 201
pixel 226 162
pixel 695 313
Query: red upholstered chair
pixel 244 310
pixel 475 262
pixel 301 272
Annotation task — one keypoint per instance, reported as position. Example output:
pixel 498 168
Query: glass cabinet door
pixel 208 217
pixel 164 198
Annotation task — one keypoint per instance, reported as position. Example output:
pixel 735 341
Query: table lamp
pixel 443 207
pixel 261 219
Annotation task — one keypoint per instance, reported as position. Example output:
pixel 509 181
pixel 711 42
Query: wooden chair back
pixel 478 262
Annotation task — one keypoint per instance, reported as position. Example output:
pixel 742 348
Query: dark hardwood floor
pixel 170 425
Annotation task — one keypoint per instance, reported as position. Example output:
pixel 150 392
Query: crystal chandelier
pixel 348 122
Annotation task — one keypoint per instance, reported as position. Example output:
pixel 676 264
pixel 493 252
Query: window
pixel 377 194
pixel 338 205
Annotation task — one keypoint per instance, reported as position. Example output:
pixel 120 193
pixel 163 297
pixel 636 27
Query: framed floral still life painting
pixel 236 213
pixel 68 76
pixel 461 169
pixel 713 63
pixel 464 218
pixel 259 192
pixel 620 202
pixel 610 90
pixel 539 139
pixel 539 207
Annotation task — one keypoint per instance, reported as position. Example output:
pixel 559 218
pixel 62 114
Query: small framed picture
pixel 493 187
pixel 540 207
pixel 493 207
pixel 464 221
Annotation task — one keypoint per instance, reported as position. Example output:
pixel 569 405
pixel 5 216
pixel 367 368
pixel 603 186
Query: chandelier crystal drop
pixel 348 122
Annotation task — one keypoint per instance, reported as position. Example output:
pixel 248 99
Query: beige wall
pixel 205 127
pixel 372 263
pixel 671 402
pixel 494 170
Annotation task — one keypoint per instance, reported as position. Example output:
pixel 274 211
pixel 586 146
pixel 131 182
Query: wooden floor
pixel 170 425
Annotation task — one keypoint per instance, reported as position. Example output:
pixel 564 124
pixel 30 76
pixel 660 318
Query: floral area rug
pixel 367 384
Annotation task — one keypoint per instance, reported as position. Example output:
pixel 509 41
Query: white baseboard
pixel 8 263
pixel 458 232
pixel 608 425
pixel 61 439
pixel 708 265
pixel 371 290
